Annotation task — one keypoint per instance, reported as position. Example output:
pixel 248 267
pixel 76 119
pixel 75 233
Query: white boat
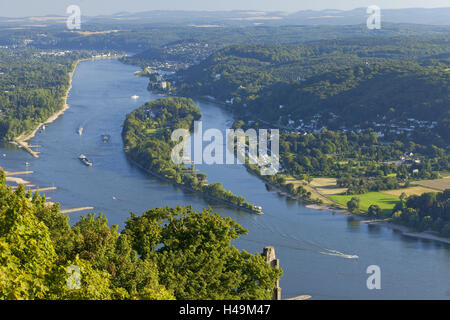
pixel 85 160
pixel 135 97
pixel 80 131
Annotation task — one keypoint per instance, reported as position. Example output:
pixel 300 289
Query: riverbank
pixel 405 231
pixel 332 206
pixel 22 140
pixel 408 232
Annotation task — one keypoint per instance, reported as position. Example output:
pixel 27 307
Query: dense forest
pixel 136 38
pixel 166 253
pixel 430 211
pixel 33 85
pixel 341 83
pixel 372 112
pixel 147 137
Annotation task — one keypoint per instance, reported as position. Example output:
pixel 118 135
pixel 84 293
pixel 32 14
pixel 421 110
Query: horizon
pixel 23 8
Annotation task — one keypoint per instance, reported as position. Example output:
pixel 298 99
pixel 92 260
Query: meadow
pixel 385 201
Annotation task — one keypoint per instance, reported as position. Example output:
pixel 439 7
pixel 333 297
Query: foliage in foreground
pixel 163 254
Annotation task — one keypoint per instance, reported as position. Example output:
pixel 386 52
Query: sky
pixel 23 8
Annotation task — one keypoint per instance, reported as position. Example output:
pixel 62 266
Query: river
pixel 313 246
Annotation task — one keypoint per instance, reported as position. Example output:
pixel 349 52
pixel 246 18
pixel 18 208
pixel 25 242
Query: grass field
pixel 326 190
pixel 385 201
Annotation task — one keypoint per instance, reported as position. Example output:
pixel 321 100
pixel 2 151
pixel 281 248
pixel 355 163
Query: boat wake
pixel 339 254
pixel 297 243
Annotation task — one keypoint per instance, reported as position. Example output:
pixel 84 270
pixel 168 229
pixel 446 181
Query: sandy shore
pixel 327 208
pixel 23 139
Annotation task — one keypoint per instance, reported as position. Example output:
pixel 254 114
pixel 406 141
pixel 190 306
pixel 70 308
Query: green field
pixel 385 201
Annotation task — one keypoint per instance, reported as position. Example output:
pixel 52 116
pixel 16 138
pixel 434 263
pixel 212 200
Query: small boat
pixel 258 210
pixel 135 97
pixel 80 131
pixel 106 138
pixel 85 160
pixel 27 164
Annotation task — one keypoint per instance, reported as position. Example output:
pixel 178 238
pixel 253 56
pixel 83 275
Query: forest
pixel 352 83
pixel 136 38
pixel 163 254
pixel 33 85
pixel 147 141
pixel 429 211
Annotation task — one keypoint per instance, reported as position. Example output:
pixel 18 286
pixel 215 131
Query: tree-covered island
pixel 147 141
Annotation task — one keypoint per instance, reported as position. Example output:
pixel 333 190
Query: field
pixel 326 190
pixel 385 201
pixel 327 186
pixel 412 191
pixel 438 185
pixel 314 193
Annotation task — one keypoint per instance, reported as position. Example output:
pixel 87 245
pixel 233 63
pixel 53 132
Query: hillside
pixel 351 82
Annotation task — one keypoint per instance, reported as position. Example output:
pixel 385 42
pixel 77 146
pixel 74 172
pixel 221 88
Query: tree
pixel 194 255
pixel 374 211
pixel 353 205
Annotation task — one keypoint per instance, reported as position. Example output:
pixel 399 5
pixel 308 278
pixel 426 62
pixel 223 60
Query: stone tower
pixel 269 255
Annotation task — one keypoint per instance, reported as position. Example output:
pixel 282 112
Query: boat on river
pixel 80 131
pixel 85 160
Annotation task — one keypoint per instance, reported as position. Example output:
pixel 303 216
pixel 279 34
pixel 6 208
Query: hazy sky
pixel 21 8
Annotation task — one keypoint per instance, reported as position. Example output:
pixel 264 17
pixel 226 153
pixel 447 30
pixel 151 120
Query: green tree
pixel 194 255
pixel 353 205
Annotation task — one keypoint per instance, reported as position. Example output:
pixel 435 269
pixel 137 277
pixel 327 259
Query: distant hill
pixel 211 19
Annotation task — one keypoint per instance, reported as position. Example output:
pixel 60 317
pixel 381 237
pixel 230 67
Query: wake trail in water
pixel 336 253
pixel 301 244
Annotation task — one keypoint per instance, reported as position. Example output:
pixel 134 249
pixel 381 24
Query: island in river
pixel 147 135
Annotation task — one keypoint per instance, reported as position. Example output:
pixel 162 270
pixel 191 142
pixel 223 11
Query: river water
pixel 315 248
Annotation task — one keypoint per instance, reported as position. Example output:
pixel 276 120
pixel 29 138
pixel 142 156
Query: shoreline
pixel 324 207
pixel 410 233
pixel 403 230
pixel 22 140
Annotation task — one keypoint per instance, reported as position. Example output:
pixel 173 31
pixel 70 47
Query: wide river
pixel 315 248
